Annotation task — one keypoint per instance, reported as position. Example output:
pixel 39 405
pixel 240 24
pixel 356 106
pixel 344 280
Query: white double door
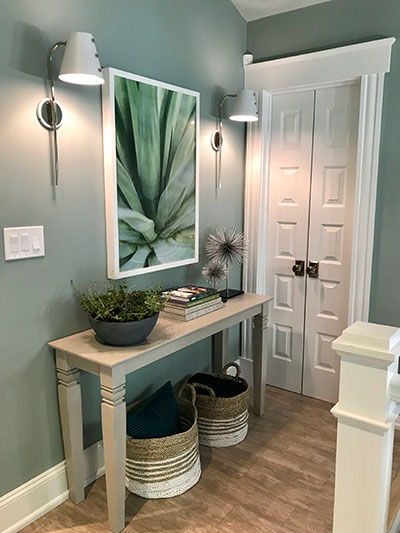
pixel 310 218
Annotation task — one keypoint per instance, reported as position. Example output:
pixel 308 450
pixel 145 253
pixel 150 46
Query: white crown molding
pixel 258 9
pixel 33 499
pixel 316 68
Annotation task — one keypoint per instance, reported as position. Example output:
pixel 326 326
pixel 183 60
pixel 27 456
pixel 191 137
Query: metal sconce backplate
pixel 44 114
pixel 217 140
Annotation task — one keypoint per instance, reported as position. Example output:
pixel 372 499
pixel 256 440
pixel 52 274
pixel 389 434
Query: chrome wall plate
pixel 43 113
pixel 216 140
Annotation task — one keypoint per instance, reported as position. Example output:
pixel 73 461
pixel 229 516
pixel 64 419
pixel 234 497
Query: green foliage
pixel 117 303
pixel 156 167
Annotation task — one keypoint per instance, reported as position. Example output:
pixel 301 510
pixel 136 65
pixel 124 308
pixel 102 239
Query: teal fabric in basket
pixel 157 417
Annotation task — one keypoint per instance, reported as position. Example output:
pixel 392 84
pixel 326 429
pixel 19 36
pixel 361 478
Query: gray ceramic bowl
pixel 123 333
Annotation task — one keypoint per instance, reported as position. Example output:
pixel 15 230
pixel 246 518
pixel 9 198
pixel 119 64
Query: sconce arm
pixel 50 66
pixel 53 118
pixel 221 105
pixel 216 139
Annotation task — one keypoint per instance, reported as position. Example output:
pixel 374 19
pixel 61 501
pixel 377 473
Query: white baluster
pixel 366 415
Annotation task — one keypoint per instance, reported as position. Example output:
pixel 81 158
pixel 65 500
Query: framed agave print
pixel 151 174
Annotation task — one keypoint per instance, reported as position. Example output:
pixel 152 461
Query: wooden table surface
pixel 168 335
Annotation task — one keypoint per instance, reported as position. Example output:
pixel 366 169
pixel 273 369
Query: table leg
pixel 220 347
pixel 260 359
pixel 69 394
pixel 113 414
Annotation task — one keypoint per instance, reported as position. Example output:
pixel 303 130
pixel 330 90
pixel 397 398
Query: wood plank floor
pixel 279 480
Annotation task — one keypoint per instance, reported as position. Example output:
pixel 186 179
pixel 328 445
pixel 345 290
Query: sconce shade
pixel 245 108
pixel 81 63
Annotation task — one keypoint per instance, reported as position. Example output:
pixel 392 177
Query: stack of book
pixel 187 303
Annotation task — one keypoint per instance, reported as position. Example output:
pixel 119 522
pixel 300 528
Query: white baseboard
pixel 246 367
pixel 33 499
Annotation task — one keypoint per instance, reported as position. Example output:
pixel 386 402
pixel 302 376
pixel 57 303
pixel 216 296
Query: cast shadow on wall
pixel 29 50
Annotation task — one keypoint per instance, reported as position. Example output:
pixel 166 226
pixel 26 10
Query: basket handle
pixel 190 388
pixel 224 371
pixel 206 388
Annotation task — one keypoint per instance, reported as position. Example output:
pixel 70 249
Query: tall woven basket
pixel 168 466
pixel 222 407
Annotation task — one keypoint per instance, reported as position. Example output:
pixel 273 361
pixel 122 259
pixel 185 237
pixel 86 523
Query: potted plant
pixel 121 316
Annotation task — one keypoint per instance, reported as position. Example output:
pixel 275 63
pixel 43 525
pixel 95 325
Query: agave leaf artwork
pixel 155 173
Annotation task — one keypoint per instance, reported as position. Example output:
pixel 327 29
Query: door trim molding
pixel 369 133
pixel 316 68
pixel 364 63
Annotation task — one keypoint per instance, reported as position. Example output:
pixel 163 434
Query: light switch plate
pixel 24 242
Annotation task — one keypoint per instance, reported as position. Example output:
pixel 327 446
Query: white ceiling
pixel 257 9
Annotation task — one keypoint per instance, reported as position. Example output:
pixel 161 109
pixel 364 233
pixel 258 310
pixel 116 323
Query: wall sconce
pixel 244 110
pixel 80 65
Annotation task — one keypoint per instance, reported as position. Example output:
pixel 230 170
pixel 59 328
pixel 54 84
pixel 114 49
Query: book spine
pixel 179 300
pixel 202 296
pixel 195 314
pixel 202 312
pixel 186 305
pixel 214 297
pixel 179 310
pixel 194 298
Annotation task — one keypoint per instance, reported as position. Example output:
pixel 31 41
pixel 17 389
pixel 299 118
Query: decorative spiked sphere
pixel 214 272
pixel 227 245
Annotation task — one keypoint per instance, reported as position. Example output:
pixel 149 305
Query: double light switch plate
pixel 22 243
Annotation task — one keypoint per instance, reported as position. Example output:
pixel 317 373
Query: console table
pixel 82 352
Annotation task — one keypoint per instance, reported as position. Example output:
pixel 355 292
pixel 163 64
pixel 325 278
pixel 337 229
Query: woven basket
pixel 168 466
pixel 223 421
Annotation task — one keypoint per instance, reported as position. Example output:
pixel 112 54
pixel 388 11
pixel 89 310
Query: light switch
pixel 24 242
pixel 35 241
pixel 14 244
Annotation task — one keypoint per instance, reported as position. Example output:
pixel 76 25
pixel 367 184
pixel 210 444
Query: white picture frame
pixel 163 247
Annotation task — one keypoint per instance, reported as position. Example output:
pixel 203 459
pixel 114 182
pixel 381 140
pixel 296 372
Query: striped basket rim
pixel 220 435
pixel 151 472
pixel 223 421
pixel 227 431
pixel 169 475
pixel 165 463
pixel 219 439
pixel 169 488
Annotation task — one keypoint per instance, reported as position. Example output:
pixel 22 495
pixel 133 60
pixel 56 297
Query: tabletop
pixel 169 335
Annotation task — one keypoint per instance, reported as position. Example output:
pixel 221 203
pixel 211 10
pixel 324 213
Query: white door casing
pixel 366 62
pixel 330 235
pixel 289 192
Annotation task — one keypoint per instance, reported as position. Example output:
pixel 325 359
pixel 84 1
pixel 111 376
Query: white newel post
pixel 366 416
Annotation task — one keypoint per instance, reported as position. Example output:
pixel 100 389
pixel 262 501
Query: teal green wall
pixel 337 23
pixel 191 43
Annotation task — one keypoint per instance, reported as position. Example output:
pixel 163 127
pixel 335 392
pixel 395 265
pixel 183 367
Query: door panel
pixel 330 235
pixel 290 171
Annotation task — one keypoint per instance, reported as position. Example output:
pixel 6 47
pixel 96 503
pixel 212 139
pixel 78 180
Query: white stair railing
pixel 366 413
